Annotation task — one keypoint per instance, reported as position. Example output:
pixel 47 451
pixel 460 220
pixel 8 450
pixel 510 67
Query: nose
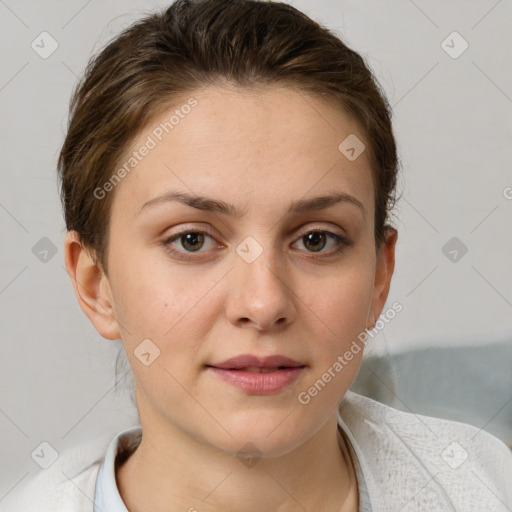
pixel 259 295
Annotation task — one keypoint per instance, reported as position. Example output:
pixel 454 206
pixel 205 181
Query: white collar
pixel 106 494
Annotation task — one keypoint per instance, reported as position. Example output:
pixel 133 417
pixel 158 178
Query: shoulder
pixel 455 463
pixel 67 485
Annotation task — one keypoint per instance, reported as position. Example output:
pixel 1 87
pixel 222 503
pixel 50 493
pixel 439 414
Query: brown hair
pixel 164 56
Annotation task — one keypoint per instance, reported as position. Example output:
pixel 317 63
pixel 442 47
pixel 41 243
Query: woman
pixel 227 177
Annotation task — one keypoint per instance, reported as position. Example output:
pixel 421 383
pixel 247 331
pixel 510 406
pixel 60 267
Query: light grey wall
pixel 453 124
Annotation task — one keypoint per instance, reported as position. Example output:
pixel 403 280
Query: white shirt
pixel 407 462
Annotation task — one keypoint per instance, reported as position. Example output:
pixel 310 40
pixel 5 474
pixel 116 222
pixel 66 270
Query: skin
pixel 258 150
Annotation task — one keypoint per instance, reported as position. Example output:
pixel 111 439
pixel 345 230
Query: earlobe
pixel 92 287
pixel 383 273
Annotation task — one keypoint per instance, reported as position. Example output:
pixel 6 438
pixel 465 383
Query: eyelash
pixel 341 241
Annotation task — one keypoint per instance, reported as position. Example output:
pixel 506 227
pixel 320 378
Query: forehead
pixel 235 143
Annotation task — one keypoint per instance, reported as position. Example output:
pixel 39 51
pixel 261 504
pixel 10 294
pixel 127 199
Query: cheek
pixel 172 308
pixel 149 297
pixel 158 306
pixel 341 303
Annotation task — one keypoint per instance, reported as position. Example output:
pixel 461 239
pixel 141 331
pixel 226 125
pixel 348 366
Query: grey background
pixel 446 354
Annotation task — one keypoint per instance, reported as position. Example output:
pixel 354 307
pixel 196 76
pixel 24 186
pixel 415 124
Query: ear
pixel 383 273
pixel 92 287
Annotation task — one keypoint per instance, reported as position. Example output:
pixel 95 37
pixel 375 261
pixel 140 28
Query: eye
pixel 190 241
pixel 315 240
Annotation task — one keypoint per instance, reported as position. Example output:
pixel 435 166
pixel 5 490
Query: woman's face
pixel 256 283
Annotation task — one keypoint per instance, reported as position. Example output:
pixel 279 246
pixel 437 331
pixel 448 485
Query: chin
pixel 260 437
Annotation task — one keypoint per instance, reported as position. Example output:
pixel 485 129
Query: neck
pixel 169 473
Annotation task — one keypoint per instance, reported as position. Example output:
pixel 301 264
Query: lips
pixel 250 363
pixel 258 375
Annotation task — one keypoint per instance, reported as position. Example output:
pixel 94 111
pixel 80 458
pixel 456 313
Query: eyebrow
pixel 217 206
